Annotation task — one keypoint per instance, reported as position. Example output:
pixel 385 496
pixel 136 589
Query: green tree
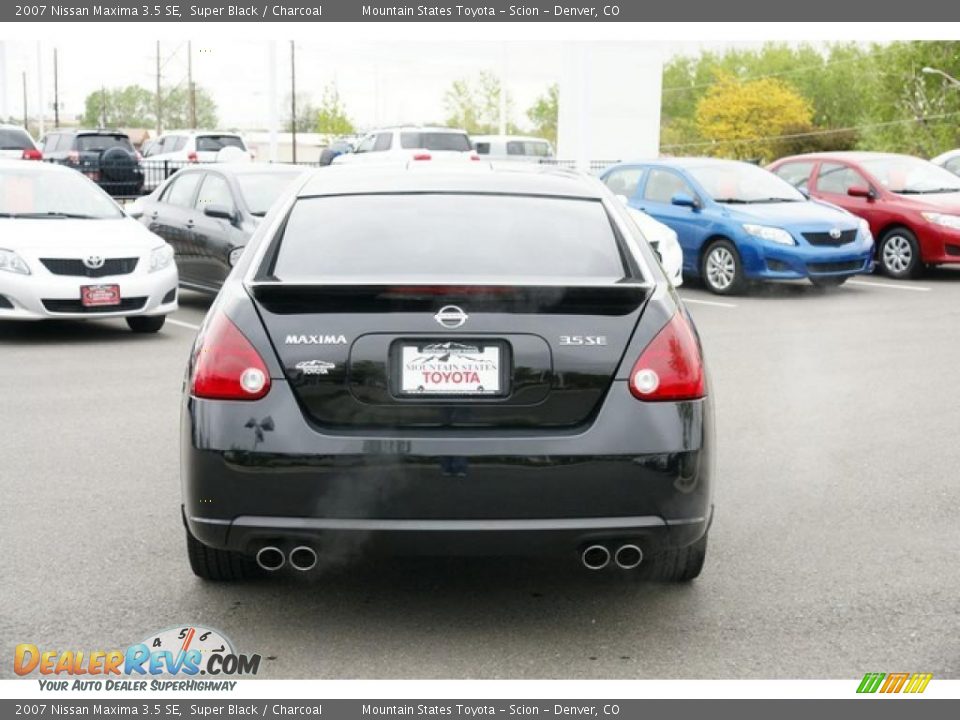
pixel 135 106
pixel 306 113
pixel 475 106
pixel 131 106
pixel 544 113
pixel 332 115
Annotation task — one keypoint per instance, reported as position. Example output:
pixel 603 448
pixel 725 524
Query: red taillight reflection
pixel 31 154
pixel 670 367
pixel 227 366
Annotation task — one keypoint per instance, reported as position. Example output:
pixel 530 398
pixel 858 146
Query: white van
pixel 512 147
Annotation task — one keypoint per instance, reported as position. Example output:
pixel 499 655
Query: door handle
pixel 153 215
pixel 190 223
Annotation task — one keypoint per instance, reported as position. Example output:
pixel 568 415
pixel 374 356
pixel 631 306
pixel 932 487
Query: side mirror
pixel 860 191
pixel 221 212
pixel 684 200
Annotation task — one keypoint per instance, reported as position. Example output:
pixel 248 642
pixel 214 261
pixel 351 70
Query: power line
pixel 812 133
pixel 794 71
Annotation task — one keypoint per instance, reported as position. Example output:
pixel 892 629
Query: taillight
pixel 474 156
pixel 421 156
pixel 227 366
pixel 670 367
pixel 191 157
pixel 73 157
pixel 137 155
pixel 31 154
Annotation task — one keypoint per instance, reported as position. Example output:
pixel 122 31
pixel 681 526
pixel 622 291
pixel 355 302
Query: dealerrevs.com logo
pixel 171 659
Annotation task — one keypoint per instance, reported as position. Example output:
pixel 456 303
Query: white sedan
pixel 67 250
pixel 664 240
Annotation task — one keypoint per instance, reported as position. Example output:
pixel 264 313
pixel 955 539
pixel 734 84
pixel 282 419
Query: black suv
pixel 106 157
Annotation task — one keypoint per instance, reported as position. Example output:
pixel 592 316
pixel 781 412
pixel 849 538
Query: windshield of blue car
pixel 260 190
pixel 911 176
pixel 53 195
pixel 740 183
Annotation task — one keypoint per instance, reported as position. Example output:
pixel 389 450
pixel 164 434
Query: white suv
pixel 411 142
pixel 175 148
pixel 16 144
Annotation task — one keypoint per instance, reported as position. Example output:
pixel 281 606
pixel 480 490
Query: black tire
pixel 146 323
pixel 721 264
pixel 676 564
pixel 216 565
pixel 831 281
pixel 898 254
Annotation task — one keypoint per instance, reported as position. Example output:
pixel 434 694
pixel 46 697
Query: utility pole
pixel 25 126
pixel 56 90
pixel 191 88
pixel 159 109
pixel 41 129
pixel 103 106
pixel 293 100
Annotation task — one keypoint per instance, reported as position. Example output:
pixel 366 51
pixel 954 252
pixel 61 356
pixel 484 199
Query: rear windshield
pixel 214 143
pixel 439 236
pixel 95 143
pixel 13 139
pixel 458 142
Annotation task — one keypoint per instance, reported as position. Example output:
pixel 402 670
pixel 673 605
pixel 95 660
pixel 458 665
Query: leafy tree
pixel 332 116
pixel 747 119
pixel 306 113
pixel 475 106
pixel 135 106
pixel 131 106
pixel 544 113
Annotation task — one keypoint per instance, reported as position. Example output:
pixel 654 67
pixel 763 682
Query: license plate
pixel 99 295
pixel 450 368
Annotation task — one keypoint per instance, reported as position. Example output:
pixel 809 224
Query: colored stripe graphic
pixel 914 683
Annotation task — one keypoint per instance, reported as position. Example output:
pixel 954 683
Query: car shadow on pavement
pixel 45 332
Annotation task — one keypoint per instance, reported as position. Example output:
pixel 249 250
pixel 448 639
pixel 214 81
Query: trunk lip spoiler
pixel 399 282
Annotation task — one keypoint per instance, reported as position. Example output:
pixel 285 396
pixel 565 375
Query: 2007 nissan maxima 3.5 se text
pixel 447 360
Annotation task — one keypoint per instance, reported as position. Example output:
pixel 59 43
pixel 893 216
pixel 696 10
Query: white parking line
pixel 914 288
pixel 713 303
pixel 183 324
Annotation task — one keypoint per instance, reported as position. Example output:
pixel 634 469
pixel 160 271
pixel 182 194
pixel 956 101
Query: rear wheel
pixel 676 564
pixel 828 282
pixel 218 565
pixel 721 269
pixel 146 324
pixel 899 254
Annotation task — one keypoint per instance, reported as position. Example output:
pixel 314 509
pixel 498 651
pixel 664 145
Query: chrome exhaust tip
pixel 270 558
pixel 303 558
pixel 628 557
pixel 595 557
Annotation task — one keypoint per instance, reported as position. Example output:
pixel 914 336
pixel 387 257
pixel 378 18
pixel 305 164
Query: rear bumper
pixel 257 473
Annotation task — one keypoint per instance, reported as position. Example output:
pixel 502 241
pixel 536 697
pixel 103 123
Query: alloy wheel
pixel 721 268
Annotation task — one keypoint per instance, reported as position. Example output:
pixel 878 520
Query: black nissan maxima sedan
pixel 456 359
pixel 208 212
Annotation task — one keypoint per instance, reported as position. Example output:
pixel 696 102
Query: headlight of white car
pixel 161 258
pixel 950 221
pixel 865 230
pixel 11 262
pixel 773 234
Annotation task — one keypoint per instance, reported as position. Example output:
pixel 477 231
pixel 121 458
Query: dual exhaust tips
pixel 625 557
pixel 272 558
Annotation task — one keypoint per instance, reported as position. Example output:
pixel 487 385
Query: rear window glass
pixel 94 143
pixel 12 139
pixel 457 142
pixel 440 236
pixel 214 143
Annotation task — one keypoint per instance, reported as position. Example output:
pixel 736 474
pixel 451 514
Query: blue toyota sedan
pixel 737 222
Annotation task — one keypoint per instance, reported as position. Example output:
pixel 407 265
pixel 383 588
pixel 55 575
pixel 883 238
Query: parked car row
pixel 809 216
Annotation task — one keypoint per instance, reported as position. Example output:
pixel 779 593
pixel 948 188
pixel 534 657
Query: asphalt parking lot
pixel 833 552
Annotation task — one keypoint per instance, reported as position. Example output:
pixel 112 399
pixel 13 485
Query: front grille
pixel 823 238
pixel 834 267
pixel 75 306
pixel 72 266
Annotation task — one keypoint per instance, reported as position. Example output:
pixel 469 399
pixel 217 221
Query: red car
pixel 912 205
